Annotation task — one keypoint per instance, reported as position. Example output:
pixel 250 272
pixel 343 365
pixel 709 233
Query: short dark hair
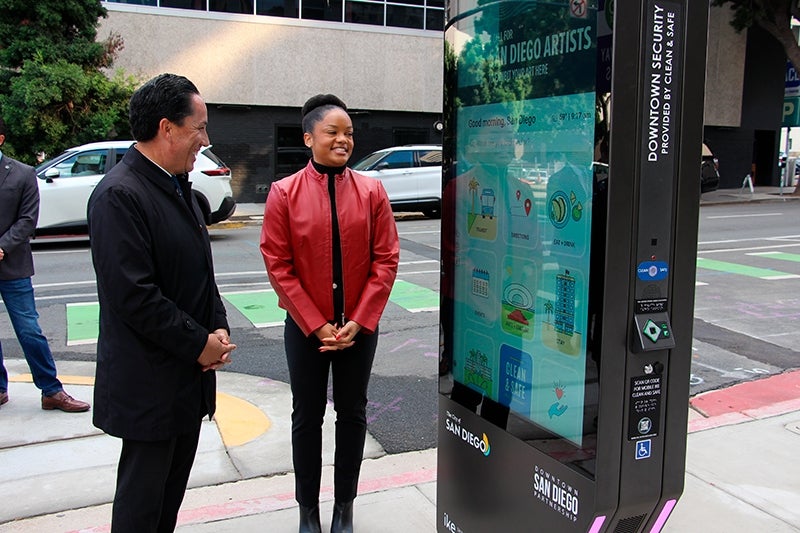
pixel 165 96
pixel 3 130
pixel 316 107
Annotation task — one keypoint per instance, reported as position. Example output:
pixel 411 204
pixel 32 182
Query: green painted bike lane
pixel 259 307
pixel 83 323
pixel 743 270
pixel 782 256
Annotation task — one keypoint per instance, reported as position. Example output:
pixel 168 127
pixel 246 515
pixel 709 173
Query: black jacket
pixel 158 303
pixel 19 211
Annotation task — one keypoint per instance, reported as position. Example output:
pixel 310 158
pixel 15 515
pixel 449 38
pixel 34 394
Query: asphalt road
pixel 747 308
pixel 747 311
pixel 402 395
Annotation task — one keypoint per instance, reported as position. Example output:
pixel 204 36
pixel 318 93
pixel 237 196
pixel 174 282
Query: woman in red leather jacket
pixel 331 250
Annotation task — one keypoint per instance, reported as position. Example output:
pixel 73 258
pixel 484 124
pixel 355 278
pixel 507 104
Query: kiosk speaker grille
pixel 629 525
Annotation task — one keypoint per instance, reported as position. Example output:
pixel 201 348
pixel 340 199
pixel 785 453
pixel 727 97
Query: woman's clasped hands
pixel 334 338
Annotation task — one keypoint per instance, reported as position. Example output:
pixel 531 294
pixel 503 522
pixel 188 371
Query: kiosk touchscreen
pixel 569 234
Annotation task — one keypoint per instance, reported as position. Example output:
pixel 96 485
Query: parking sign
pixel 792 85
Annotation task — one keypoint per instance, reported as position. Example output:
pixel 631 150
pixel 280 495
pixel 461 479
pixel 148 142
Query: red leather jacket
pixel 296 243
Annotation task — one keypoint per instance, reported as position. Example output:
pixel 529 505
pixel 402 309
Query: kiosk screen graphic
pixel 520 182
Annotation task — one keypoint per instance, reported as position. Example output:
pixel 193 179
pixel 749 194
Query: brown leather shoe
pixel 3 398
pixel 63 401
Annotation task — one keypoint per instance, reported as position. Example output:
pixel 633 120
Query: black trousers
pixel 151 482
pixel 308 377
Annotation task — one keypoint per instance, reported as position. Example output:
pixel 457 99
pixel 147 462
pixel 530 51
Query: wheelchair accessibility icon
pixel 643 449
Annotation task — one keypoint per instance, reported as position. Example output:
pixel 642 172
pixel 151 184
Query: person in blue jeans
pixel 19 210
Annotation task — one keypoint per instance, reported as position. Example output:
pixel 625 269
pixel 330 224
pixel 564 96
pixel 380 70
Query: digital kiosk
pixel 569 232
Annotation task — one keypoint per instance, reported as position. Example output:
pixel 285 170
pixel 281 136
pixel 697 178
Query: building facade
pixel 257 66
pixel 743 101
pixel 257 61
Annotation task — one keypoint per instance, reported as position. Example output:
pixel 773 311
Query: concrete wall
pixel 245 138
pixel 260 70
pixel 271 61
pixel 754 142
pixel 725 66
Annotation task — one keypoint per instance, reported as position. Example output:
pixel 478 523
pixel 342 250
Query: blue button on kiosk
pixel 572 130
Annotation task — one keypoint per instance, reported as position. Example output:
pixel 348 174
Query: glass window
pixel 417 14
pixel 185 4
pixel 322 10
pixel 434 19
pixel 232 6
pixel 399 159
pixel 120 153
pixel 278 8
pixel 83 164
pixel 367 162
pixel 430 158
pixel 136 2
pixel 404 17
pixel 364 12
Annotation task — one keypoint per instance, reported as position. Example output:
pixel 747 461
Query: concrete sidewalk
pixel 745 195
pixel 58 471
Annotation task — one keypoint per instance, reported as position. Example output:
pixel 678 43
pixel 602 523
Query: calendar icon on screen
pixel 480 282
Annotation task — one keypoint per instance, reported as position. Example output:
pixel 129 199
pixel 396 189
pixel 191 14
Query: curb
pixel 747 401
pixel 735 199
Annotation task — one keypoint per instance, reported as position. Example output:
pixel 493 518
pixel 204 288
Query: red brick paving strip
pixel 750 400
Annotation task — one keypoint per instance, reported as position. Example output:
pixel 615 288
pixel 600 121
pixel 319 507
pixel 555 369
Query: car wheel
pixel 432 212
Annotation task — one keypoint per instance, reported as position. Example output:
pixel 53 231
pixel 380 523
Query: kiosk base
pixel 487 477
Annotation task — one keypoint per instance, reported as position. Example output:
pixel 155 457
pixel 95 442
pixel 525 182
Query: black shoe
pixel 342 518
pixel 309 519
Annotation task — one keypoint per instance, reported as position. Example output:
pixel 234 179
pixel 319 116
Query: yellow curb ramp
pixel 238 420
pixel 65 380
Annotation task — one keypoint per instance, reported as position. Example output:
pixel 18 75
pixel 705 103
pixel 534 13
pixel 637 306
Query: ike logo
pixel 449 525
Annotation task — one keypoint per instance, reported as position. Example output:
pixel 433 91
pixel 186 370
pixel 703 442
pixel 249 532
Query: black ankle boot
pixel 309 519
pixel 342 517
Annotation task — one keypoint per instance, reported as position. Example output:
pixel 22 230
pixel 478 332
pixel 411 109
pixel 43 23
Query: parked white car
pixel 66 182
pixel 411 175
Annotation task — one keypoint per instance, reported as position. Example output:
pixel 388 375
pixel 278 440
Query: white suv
pixel 411 175
pixel 67 181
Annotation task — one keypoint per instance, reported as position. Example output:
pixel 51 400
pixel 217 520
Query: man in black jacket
pixel 19 211
pixel 163 327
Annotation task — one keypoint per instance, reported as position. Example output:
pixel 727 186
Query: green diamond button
pixel 651 330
